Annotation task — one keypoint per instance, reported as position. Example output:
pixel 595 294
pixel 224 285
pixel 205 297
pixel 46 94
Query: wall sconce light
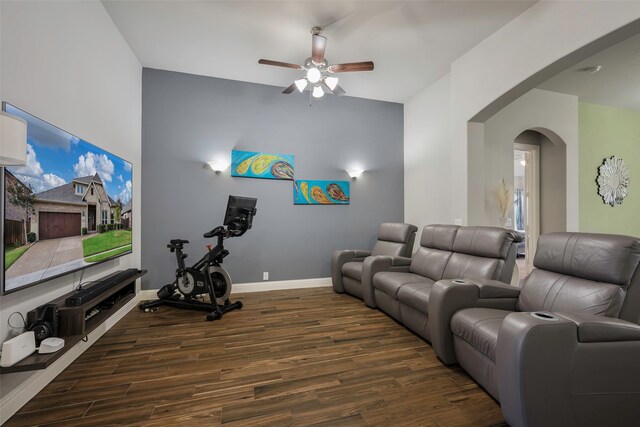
pixel 354 173
pixel 218 166
pixel 13 140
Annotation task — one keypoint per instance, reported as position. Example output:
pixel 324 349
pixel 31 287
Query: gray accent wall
pixel 188 120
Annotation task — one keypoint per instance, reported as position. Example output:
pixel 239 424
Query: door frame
pixel 532 194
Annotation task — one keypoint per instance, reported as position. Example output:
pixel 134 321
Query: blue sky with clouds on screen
pixel 55 157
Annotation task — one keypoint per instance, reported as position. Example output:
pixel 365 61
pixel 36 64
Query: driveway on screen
pixel 45 254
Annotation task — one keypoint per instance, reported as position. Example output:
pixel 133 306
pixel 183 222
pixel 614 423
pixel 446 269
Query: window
pixel 92 191
pixel 104 217
pixel 80 189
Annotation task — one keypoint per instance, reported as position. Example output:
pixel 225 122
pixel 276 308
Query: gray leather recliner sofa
pixel 564 350
pixel 445 252
pixel 349 267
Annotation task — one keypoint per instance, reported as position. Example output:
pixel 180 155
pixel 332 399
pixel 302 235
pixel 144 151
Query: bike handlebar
pixel 218 231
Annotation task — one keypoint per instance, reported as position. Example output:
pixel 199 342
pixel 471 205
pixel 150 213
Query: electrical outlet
pixel 265 275
pixel 457 221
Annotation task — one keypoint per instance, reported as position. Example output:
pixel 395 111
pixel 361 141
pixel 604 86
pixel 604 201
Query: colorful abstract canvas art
pixel 321 192
pixel 252 164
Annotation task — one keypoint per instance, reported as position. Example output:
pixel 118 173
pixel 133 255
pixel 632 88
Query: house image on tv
pixel 125 216
pixel 65 210
pixel 15 217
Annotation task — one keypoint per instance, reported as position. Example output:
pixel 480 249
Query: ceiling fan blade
pixel 318 44
pixel 338 91
pixel 351 66
pixel 280 64
pixel 290 89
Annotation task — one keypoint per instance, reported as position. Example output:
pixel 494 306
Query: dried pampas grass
pixel 504 197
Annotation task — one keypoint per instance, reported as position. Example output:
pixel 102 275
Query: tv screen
pixel 68 208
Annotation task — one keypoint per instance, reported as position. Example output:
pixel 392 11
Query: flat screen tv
pixel 69 208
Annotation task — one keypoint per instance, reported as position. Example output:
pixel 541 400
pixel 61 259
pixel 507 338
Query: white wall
pixel 542 35
pixel 66 63
pixel 427 156
pixel 537 109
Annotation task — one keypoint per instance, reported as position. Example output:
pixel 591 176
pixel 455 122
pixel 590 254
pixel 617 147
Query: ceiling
pixel 411 42
pixel 617 84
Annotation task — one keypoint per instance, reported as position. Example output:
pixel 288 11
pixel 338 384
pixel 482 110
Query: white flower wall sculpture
pixel 613 181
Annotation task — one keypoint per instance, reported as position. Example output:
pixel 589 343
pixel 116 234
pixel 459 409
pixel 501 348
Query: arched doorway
pixel 540 187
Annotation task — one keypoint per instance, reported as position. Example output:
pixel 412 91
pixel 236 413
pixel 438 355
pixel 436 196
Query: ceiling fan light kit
pixel 318 92
pixel 332 82
pixel 313 75
pixel 301 84
pixel 318 72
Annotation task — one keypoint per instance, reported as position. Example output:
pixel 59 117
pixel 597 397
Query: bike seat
pixel 178 241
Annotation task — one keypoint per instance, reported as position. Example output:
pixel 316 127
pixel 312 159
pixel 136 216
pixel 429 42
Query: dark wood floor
pixel 303 357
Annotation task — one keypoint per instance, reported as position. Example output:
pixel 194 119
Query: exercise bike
pixel 207 275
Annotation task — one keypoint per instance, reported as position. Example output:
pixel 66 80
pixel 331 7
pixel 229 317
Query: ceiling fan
pixel 319 74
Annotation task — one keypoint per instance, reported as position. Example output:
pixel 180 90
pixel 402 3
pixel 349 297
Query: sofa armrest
pixel 493 288
pixel 361 254
pixel 533 359
pixel 592 328
pixel 340 258
pixel 449 296
pixel 376 264
pixel 400 261
pixel 548 376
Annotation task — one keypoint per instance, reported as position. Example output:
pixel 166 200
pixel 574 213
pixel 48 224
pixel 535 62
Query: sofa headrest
pixel 606 258
pixel 396 232
pixel 439 236
pixel 488 242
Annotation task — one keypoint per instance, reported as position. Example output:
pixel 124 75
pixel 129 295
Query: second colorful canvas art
pixel 318 192
pixel 252 164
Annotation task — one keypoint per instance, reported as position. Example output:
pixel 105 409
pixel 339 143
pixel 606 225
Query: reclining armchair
pixel 564 349
pixel 395 243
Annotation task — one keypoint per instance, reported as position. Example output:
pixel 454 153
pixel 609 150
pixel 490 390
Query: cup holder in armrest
pixel 459 281
pixel 544 316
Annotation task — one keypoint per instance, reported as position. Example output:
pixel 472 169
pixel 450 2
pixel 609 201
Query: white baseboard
pixel 18 397
pixel 148 294
pixel 278 285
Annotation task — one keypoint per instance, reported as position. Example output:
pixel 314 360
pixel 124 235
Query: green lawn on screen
pixel 12 253
pixel 110 254
pixel 105 241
